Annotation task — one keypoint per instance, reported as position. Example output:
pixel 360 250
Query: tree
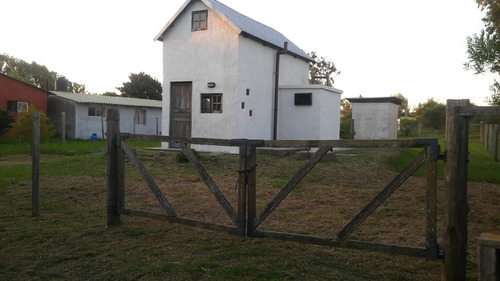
pixel 24 126
pixel 141 86
pixel 110 94
pixel 5 120
pixel 34 74
pixel 322 70
pixel 403 107
pixel 345 119
pixel 483 50
pixel 431 114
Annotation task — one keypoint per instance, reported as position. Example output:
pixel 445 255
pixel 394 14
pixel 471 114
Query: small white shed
pixel 375 118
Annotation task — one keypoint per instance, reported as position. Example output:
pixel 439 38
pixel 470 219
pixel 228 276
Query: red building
pixel 17 96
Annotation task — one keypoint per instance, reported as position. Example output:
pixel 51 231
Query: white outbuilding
pixel 81 116
pixel 228 76
pixel 375 118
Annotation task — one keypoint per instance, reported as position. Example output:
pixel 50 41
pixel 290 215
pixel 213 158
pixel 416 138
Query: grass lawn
pixel 70 240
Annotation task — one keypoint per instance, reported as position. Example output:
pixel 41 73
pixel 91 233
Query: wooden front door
pixel 180 110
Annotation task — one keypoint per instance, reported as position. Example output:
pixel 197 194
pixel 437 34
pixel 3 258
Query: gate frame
pixel 458 113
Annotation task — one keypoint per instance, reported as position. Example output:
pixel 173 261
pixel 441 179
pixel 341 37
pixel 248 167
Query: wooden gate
pixel 245 218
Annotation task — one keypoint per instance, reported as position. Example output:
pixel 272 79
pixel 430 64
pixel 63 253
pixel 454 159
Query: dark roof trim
pixel 394 100
pixel 278 48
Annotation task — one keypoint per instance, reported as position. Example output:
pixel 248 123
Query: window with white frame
pixel 17 106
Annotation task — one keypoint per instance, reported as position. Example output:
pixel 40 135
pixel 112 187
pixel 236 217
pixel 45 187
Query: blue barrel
pixel 93 137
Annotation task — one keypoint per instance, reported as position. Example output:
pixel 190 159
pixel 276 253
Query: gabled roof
pixel 244 26
pixel 27 84
pixel 108 100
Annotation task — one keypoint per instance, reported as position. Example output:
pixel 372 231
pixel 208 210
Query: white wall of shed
pixel 319 121
pixel 375 121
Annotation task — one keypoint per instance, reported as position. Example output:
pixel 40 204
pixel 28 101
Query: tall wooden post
pixel 251 188
pixel 455 193
pixel 114 171
pixel 63 127
pixel 242 187
pixel 35 176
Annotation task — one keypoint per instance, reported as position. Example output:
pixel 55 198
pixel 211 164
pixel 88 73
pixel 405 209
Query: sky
pixel 382 48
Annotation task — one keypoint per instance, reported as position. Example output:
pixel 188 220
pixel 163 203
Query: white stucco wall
pixel 201 57
pixel 235 64
pixel 319 121
pixel 375 121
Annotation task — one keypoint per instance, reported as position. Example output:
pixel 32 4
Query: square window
pixel 12 106
pixel 303 99
pixel 96 111
pixel 140 117
pixel 211 103
pixel 199 20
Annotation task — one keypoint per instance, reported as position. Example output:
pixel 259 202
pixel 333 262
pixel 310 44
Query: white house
pixel 85 114
pixel 228 76
pixel 375 118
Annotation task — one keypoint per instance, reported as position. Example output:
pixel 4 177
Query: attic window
pixel 199 20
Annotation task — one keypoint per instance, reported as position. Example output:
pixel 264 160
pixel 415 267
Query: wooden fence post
pixel 35 176
pixel 455 193
pixel 63 127
pixel 114 173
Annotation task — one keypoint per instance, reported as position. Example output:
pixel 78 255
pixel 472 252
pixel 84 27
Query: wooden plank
pixel 251 169
pixel 207 141
pixel 431 208
pixel 112 166
pixel 455 193
pixel 493 140
pixel 468 110
pixel 382 196
pixel 290 185
pixel 35 167
pixel 350 244
pixel 181 220
pixel 149 180
pixel 219 196
pixel 350 143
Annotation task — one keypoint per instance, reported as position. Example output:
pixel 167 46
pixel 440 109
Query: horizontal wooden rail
pixel 411 143
pixel 180 220
pixel 413 251
pixel 472 110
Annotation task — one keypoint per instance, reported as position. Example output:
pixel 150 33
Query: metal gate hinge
pixel 442 156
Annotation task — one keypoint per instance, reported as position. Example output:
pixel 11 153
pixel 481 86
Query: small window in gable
pixel 303 99
pixel 211 103
pixel 199 20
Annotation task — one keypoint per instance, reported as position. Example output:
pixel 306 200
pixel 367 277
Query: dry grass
pixel 70 241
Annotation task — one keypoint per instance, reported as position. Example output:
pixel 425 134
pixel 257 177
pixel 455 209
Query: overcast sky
pixel 384 47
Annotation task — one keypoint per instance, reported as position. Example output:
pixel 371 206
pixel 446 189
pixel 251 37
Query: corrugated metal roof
pixel 97 99
pixel 245 26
